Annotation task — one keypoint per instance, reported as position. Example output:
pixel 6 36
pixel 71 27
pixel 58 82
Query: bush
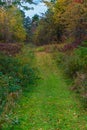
pixel 24 73
pixel 73 62
pixel 74 66
pixel 8 85
pixel 82 53
pixel 9 64
pixel 15 76
pixel 70 64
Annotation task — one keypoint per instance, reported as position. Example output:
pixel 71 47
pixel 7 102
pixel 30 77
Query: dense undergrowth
pixel 16 74
pixel 74 65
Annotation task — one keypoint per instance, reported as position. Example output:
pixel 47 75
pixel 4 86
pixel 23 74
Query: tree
pixel 70 16
pixel 75 17
pixel 11 25
pixel 45 30
pixel 35 18
pixel 27 25
pixel 63 20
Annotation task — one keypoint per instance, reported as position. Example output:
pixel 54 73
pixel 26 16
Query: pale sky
pixel 39 8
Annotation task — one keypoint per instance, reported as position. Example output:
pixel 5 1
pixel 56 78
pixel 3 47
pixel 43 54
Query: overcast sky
pixel 39 8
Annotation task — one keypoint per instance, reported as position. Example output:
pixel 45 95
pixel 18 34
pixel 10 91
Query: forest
pixel 43 66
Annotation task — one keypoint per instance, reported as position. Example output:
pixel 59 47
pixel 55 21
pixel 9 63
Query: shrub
pixel 73 62
pixel 24 73
pixel 14 77
pixel 69 63
pixel 74 66
pixel 8 85
pixel 82 53
pixel 8 64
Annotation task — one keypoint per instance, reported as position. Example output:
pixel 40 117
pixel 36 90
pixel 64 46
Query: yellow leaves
pixel 12 21
pixel 11 24
pixel 2 15
pixel 61 1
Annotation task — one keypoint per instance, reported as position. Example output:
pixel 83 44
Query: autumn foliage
pixel 63 20
pixel 11 25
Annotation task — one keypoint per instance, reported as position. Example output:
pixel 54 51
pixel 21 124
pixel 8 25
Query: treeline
pixel 15 26
pixel 64 20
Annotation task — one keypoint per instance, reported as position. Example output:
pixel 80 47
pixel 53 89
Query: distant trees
pixel 45 31
pixel 27 25
pixel 11 25
pixel 72 16
pixel 64 20
pixel 75 17
pixel 14 26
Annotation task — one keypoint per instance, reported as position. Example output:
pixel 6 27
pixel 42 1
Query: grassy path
pixel 50 105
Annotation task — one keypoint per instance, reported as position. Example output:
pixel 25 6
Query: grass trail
pixel 50 105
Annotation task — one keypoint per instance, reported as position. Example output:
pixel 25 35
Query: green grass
pixel 50 105
pixel 40 49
